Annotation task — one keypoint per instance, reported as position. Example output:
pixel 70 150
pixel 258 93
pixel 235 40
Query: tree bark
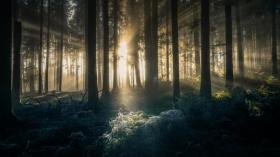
pixel 239 40
pixel 60 72
pixel 40 83
pixel 106 48
pixel 205 87
pixel 48 50
pixel 167 39
pixel 5 63
pixel 274 40
pixel 147 30
pixel 175 47
pixel 116 42
pixel 16 62
pixel 90 30
pixel 154 57
pixel 229 62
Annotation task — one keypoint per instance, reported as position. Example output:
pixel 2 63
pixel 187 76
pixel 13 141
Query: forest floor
pixel 129 124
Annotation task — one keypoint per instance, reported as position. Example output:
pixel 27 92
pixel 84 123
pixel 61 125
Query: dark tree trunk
pixel 32 68
pixel 116 42
pixel 175 47
pixel 135 39
pixel 154 57
pixel 77 70
pixel 100 36
pixel 229 64
pixel 60 71
pixel 239 40
pixel 148 50
pixel 205 88
pixel 91 52
pixel 40 83
pixel 106 48
pixel 16 62
pixel 196 40
pixel 274 40
pixel 167 39
pixel 48 50
pixel 5 62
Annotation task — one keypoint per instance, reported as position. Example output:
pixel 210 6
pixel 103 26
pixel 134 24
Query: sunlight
pixel 122 68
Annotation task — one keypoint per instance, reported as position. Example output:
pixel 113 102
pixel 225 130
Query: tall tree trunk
pixel 106 48
pixel 175 47
pixel 40 84
pixel 205 87
pixel 16 62
pixel 135 39
pixel 5 63
pixel 154 41
pixel 32 68
pixel 61 48
pixel 100 36
pixel 196 39
pixel 147 30
pixel 167 39
pixel 91 52
pixel 229 64
pixel 77 69
pixel 48 50
pixel 116 42
pixel 274 40
pixel 240 52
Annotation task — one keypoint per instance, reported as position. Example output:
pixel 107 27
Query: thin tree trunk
pixel 106 48
pixel 167 39
pixel 229 64
pixel 205 87
pixel 16 62
pixel 40 83
pixel 48 50
pixel 135 40
pixel 274 41
pixel 91 52
pixel 239 40
pixel 61 48
pixel 116 42
pixel 196 41
pixel 175 46
pixel 147 29
pixel 77 70
pixel 154 41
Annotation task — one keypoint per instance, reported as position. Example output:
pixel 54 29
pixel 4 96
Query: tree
pixel 154 37
pixel 148 50
pixel 40 85
pixel 5 63
pixel 205 87
pixel 17 35
pixel 90 29
pixel 60 57
pixel 16 62
pixel 116 41
pixel 106 48
pixel 48 50
pixel 196 39
pixel 167 39
pixel 134 41
pixel 229 64
pixel 274 40
pixel 239 40
pixel 175 47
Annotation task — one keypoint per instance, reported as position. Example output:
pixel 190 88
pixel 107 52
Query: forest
pixel 140 78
